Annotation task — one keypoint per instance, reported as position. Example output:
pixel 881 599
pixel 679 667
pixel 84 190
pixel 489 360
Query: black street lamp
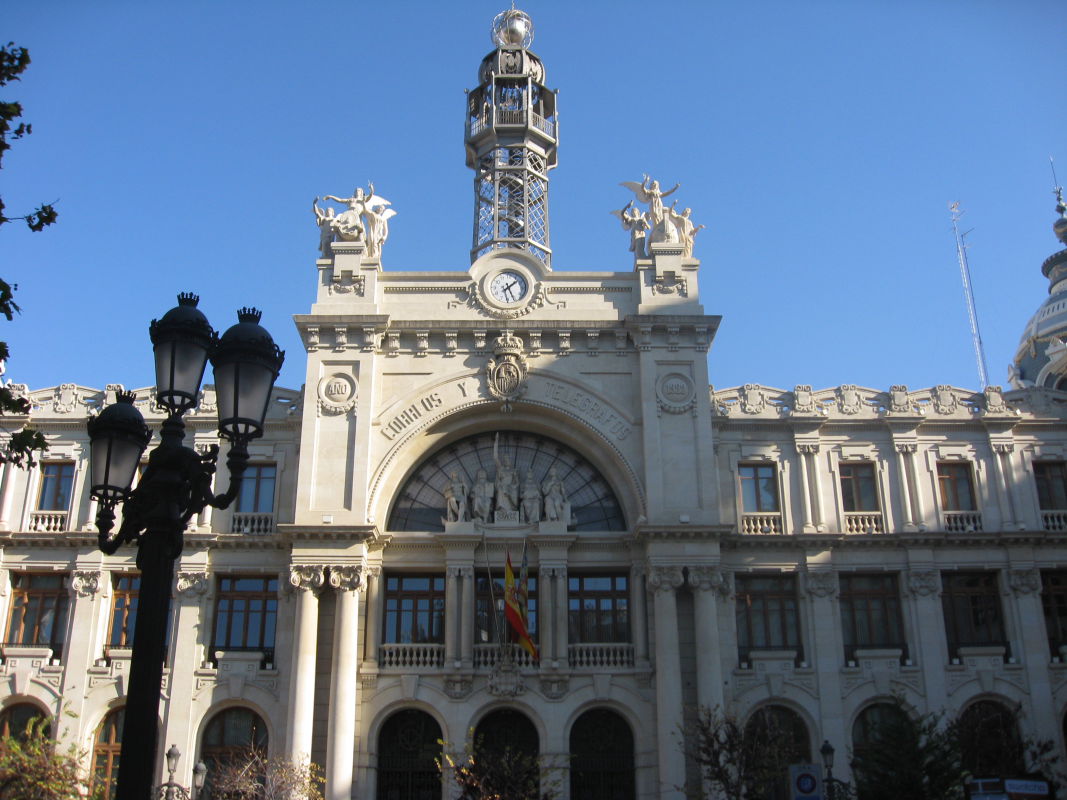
pixel 835 789
pixel 175 486
pixel 172 790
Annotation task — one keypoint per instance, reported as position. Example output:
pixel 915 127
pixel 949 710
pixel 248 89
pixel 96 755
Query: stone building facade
pixel 817 551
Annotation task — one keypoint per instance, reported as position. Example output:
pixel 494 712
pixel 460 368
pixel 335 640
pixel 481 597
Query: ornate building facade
pixel 812 551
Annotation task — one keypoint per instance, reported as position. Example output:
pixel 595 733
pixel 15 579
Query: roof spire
pixel 1059 227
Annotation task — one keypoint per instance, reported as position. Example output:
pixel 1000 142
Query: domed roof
pixel 1042 355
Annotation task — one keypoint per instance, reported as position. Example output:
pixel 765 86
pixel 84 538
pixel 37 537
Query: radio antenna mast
pixel 968 294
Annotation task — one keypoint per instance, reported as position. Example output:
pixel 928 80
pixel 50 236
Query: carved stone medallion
pixel 506 372
pixel 337 394
pixel 675 392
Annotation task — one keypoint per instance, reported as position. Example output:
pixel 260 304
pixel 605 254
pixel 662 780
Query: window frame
pixel 254 477
pixel 1054 608
pixel 395 593
pixel 857 607
pixel 854 492
pixel 789 598
pixel 105 754
pixel 128 596
pixel 753 481
pixel 482 600
pixel 22 589
pixel 1046 484
pixel 960 604
pixel 64 477
pixel 615 617
pixel 949 475
pixel 265 609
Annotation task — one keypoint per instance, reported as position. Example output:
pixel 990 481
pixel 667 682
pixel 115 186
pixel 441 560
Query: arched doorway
pixel 232 734
pixel 507 753
pixel 408 750
pixel 872 723
pixel 990 744
pixel 775 737
pixel 106 748
pixel 602 757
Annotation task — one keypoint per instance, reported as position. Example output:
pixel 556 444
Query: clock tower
pixel 511 136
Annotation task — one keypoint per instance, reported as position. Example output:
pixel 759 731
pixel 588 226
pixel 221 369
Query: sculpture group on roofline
pixel 366 219
pixel 660 223
pixel 504 499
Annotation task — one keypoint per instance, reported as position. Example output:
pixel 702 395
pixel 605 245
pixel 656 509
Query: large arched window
pixel 17 717
pixel 989 741
pixel 408 750
pixel 602 757
pixel 507 747
pixel 775 737
pixel 232 734
pixel 420 504
pixel 106 749
pixel 872 724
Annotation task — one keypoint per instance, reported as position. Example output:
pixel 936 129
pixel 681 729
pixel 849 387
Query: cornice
pixel 349 533
pixel 647 531
pixel 931 539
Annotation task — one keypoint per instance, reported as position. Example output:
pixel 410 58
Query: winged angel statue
pixel 660 223
pixel 365 219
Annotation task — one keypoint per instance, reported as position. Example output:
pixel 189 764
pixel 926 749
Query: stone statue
pixel 364 211
pixel 684 226
pixel 555 498
pixel 507 486
pixel 325 220
pixel 456 498
pixel 634 221
pixel 648 191
pixel 482 497
pixel 531 499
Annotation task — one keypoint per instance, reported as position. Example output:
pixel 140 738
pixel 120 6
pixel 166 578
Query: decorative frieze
pixel 924 582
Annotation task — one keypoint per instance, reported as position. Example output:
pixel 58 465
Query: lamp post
pixel 172 790
pixel 835 789
pixel 175 486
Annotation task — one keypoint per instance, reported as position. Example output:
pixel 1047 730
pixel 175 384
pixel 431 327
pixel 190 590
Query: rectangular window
pixel 971 603
pixel 1054 601
pixel 487 625
pixel 414 609
pixel 1051 479
pixel 40 604
pixel 57 480
pixel 759 488
pixel 858 489
pixel 870 612
pixel 955 483
pixel 125 588
pixel 257 489
pixel 599 608
pixel 767 617
pixel 246 613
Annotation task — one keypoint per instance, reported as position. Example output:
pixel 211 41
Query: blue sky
pixel 820 142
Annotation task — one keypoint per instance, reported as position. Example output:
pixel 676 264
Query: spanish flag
pixel 515 608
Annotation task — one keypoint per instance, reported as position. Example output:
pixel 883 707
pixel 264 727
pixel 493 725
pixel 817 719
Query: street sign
pixel 1021 789
pixel 805 782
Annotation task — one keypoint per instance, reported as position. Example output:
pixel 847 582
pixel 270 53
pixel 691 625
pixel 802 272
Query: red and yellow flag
pixel 515 608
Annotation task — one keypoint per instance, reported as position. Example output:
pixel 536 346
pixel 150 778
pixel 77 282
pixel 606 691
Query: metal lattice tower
pixel 511 143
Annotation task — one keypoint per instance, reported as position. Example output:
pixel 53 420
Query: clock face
pixel 508 287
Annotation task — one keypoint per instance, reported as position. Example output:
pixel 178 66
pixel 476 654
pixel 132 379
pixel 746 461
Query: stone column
pixel 306 581
pixel 341 734
pixel 191 614
pixel 924 587
pixel 639 614
pixel 805 488
pixel 827 657
pixel 373 579
pixel 7 495
pixel 903 481
pixel 466 620
pixel 452 613
pixel 1002 453
pixel 88 593
pixel 1032 638
pixel 707 582
pixel 664 581
pixel 562 610
pixel 546 622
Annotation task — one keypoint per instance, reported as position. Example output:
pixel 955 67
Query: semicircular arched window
pixel 421 504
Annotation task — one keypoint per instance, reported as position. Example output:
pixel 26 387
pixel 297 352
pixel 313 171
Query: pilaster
pixel 664 581
pixel 341 735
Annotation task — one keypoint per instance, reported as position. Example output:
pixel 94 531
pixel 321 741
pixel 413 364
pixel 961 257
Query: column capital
pixel 810 448
pixel 554 572
pixel 906 447
pixel 307 577
pixel 822 583
pixel 346 577
pixel 459 571
pixel 1003 448
pixel 709 578
pixel 372 572
pixel 86 582
pixel 638 571
pixel 193 583
pixel 924 582
pixel 1024 581
pixel 665 579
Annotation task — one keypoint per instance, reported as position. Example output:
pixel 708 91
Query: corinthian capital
pixel 306 577
pixel 665 579
pixel 192 583
pixel 707 579
pixel 85 582
pixel 346 577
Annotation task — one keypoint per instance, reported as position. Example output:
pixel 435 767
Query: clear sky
pixel 820 142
